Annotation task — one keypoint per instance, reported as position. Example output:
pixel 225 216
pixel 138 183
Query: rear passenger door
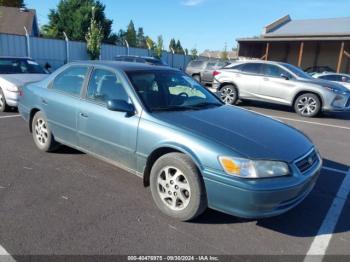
pixel 109 134
pixel 62 100
pixel 248 80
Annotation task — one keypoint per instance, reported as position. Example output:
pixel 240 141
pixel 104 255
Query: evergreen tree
pixel 141 39
pixel 172 45
pixel 178 48
pixel 131 35
pixel 194 53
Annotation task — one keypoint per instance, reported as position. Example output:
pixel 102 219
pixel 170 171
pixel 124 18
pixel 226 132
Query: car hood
pixel 326 83
pixel 22 79
pixel 249 134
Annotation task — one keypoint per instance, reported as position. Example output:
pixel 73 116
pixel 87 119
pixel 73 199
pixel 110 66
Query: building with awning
pixel 304 43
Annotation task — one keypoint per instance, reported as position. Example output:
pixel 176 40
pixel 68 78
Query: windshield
pixel 297 71
pixel 171 91
pixel 20 66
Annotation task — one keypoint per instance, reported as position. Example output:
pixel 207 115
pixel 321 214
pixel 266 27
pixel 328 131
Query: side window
pixel 274 71
pixel 70 80
pixel 104 85
pixel 211 65
pixel 129 59
pixel 252 68
pixel 331 77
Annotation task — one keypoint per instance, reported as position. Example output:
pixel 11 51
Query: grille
pixel 307 161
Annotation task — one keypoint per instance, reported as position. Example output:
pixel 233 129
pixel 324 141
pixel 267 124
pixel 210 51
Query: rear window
pixel 196 64
pixel 252 68
pixel 20 66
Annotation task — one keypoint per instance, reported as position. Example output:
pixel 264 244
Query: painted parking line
pixel 5 256
pixel 321 241
pixel 309 122
pixel 11 116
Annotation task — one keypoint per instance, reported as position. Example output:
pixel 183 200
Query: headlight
pixel 246 168
pixel 334 90
pixel 12 88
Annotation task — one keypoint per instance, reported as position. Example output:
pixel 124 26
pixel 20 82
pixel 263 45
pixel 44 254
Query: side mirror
pixel 285 77
pixel 47 67
pixel 120 106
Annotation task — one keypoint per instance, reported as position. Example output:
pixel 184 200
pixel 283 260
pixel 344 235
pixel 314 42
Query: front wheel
pixel 177 187
pixel 229 94
pixel 307 105
pixel 42 134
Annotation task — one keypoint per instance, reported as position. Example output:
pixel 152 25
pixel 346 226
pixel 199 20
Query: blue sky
pixel 205 24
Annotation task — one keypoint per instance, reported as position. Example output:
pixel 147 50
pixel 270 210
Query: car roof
pixel 136 56
pixel 331 73
pixel 15 57
pixel 124 66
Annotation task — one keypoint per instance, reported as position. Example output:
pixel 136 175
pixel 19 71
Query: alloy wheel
pixel 307 105
pixel 228 95
pixel 173 188
pixel 41 132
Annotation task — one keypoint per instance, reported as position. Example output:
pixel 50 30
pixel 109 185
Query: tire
pixel 197 78
pixel 307 105
pixel 229 94
pixel 3 106
pixel 177 187
pixel 42 134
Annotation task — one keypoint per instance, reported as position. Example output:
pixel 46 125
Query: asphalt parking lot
pixel 69 203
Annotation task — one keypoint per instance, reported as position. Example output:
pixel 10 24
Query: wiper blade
pixel 205 104
pixel 173 108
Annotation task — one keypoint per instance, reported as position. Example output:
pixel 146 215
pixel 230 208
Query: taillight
pixel 215 73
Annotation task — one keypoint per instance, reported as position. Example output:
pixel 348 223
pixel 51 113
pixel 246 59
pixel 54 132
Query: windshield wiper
pixel 206 104
pixel 172 108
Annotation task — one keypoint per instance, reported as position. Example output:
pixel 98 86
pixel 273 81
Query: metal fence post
pixel 28 41
pixel 127 47
pixel 67 47
pixel 172 56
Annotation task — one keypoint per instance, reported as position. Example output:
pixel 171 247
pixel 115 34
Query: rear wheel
pixel 307 105
pixel 177 187
pixel 229 94
pixel 42 134
pixel 3 106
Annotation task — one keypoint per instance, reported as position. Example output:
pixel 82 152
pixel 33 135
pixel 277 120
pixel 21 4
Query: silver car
pixel 280 83
pixel 202 70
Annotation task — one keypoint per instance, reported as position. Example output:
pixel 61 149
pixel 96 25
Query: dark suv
pixel 202 70
pixel 140 59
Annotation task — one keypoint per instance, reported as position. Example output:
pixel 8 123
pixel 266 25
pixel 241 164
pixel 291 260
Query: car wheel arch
pixel 32 113
pixel 308 92
pixel 161 151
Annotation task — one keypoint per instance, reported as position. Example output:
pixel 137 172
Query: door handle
pixel 84 115
pixel 43 101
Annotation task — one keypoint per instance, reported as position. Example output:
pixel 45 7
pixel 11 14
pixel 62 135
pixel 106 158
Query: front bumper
pixel 11 98
pixel 337 103
pixel 250 200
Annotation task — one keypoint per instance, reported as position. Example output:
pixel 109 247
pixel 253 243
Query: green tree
pixel 94 37
pixel 159 47
pixel 172 44
pixel 73 17
pixel 121 36
pixel 194 53
pixel 178 48
pixel 224 53
pixel 141 38
pixel 131 35
pixel 12 3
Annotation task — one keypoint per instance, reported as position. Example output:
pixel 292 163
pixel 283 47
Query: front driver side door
pixel 109 134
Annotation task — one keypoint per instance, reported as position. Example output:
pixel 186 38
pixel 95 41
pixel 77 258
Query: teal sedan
pixel 158 123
